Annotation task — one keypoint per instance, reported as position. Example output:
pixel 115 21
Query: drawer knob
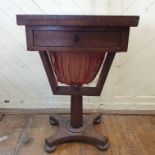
pixel 76 38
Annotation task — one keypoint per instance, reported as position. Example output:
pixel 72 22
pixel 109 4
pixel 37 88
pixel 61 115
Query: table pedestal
pixel 66 133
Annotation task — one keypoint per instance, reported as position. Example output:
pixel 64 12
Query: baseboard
pixel 67 111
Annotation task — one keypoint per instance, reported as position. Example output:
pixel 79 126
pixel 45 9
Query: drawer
pixel 67 38
pixel 97 39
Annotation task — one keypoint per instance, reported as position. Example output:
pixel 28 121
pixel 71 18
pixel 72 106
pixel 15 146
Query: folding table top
pixel 77 20
pixel 77 32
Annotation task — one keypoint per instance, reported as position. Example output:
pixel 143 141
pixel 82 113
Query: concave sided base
pixel 76 128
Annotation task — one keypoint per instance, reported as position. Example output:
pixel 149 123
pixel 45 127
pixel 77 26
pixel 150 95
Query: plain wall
pixel 130 84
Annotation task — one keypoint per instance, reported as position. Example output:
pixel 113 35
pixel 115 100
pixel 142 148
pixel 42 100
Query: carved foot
pixel 103 147
pixel 66 133
pixel 54 120
pixel 49 149
pixel 97 119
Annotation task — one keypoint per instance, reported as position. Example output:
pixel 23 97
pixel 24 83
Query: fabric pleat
pixel 76 68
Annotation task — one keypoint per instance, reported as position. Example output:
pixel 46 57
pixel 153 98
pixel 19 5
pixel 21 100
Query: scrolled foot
pixel 64 134
pixel 49 149
pixel 97 120
pixel 103 146
pixel 53 121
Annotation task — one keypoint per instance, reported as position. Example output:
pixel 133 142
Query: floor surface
pixel 128 135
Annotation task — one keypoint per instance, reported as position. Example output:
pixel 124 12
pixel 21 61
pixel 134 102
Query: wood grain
pixel 73 20
pixel 88 149
pixel 128 135
pixel 67 111
pixel 11 128
pixel 144 132
pixel 35 134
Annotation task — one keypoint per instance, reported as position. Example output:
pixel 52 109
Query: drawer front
pixel 98 39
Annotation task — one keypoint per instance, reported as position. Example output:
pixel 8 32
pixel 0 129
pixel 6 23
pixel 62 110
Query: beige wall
pixel 130 84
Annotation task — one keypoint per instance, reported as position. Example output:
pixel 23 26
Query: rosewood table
pixel 72 50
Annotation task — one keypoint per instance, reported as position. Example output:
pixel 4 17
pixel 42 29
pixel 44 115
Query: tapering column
pixel 76 111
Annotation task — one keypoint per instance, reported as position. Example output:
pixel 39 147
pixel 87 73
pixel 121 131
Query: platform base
pixel 66 133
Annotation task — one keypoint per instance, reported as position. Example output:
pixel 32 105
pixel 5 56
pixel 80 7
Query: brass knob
pixel 76 38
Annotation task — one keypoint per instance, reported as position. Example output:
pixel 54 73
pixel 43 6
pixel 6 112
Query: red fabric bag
pixel 76 68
